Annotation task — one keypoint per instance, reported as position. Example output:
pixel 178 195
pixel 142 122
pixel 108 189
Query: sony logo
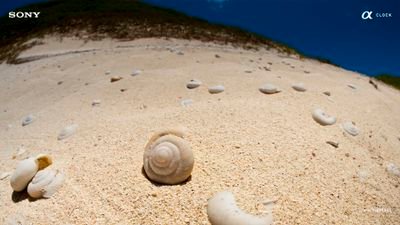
pixel 20 15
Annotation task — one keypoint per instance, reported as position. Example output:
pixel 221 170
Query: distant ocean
pixel 359 35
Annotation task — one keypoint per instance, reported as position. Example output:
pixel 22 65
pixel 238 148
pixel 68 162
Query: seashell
pixel 216 89
pixel 28 120
pixel 333 144
pixel 186 102
pixel 136 72
pixel 168 158
pixel 352 86
pixel 350 128
pixel 115 79
pixel 67 131
pixel 222 210
pixel 26 170
pixel 322 118
pixel 299 87
pixel 393 169
pixel 327 93
pixel 269 89
pixel 45 183
pixel 193 84
pixel 96 102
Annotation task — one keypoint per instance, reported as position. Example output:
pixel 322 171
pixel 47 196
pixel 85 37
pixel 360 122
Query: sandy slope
pixel 258 146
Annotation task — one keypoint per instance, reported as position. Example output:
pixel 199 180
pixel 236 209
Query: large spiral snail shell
pixel 26 170
pixel 168 158
pixel 45 183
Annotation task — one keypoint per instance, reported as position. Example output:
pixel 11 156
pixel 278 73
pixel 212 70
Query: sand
pixel 260 147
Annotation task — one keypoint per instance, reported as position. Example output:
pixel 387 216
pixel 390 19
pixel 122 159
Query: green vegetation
pixel 389 79
pixel 118 19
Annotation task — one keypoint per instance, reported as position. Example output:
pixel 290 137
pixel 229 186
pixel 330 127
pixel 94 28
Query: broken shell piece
pixel 216 89
pixel 269 89
pixel 352 86
pixel 26 170
pixel 299 87
pixel 322 118
pixel 136 72
pixel 96 102
pixel 332 143
pixel 222 210
pixel 193 84
pixel 327 93
pixel 350 128
pixel 168 158
pixel 28 120
pixel 67 131
pixel 45 183
pixel 393 169
pixel 115 78
pixel 186 102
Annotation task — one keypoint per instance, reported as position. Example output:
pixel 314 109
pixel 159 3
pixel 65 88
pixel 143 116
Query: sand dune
pixel 258 146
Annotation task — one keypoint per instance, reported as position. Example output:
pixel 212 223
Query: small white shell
pixel 28 120
pixel 168 158
pixel 299 87
pixel 186 102
pixel 26 170
pixel 222 210
pixel 350 128
pixel 193 84
pixel 45 183
pixel 67 131
pixel 393 169
pixel 322 118
pixel 136 72
pixel 216 89
pixel 269 89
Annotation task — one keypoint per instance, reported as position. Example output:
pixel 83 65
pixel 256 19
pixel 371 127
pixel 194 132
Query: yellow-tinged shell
pixel 45 183
pixel 26 170
pixel 168 158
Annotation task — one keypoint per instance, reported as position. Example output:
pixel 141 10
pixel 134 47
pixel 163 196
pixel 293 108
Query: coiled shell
pixel 222 210
pixel 26 170
pixel 322 118
pixel 168 158
pixel 45 183
pixel 350 128
pixel 269 89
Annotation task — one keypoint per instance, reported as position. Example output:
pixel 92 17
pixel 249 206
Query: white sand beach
pixel 261 147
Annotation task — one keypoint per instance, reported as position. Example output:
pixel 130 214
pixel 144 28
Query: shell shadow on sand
pixel 161 184
pixel 19 196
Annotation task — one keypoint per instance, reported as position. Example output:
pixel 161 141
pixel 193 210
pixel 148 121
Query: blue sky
pixel 328 29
